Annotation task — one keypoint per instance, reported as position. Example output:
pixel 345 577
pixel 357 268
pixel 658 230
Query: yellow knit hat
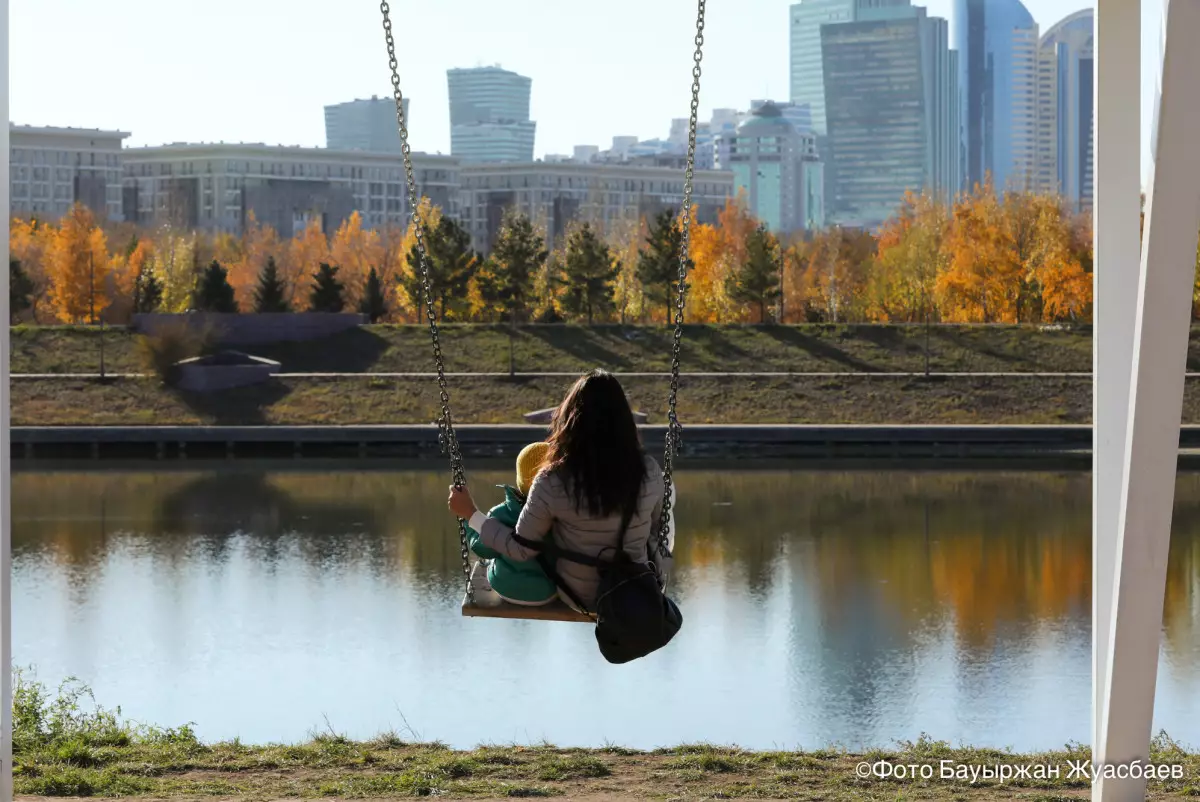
pixel 529 462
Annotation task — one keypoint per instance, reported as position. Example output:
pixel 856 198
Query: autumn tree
pixel 548 286
pixel 409 295
pixel 214 292
pixel 912 254
pixel 374 302
pixel 507 281
pixel 326 294
pixel 716 253
pixel 834 278
pixel 658 263
pixel 307 251
pixel 20 288
pixel 29 242
pixel 981 282
pixel 259 243
pixel 757 280
pixel 174 265
pixel 590 273
pixel 356 251
pixel 78 265
pixel 270 296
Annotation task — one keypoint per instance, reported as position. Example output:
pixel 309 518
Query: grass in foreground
pixel 485 349
pixel 850 399
pixel 66 746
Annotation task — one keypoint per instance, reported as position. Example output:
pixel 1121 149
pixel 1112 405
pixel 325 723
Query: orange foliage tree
pixel 306 252
pixel 982 281
pixel 29 242
pixel 259 243
pixel 355 250
pixel 78 266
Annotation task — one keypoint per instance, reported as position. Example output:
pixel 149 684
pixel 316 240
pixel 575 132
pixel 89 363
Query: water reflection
pixel 820 607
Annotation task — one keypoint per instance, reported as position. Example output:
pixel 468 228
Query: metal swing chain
pixel 674 430
pixel 447 439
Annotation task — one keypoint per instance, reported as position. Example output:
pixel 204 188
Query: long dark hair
pixel 594 444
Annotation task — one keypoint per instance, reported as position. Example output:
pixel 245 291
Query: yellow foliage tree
pixel 29 242
pixel 306 251
pixel 911 256
pixel 174 264
pixel 78 267
pixel 355 251
pixel 407 293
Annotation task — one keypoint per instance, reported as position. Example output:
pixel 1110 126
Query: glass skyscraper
pixel 892 112
pixel 367 125
pixel 1065 105
pixel 489 115
pixel 807 67
pixel 997 44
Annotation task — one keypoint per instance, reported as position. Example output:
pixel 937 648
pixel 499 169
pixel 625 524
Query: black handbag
pixel 633 615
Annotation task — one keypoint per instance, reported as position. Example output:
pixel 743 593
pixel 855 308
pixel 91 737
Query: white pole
pixel 1116 210
pixel 1164 312
pixel 6 766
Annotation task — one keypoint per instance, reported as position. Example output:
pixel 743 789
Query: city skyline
pixel 578 72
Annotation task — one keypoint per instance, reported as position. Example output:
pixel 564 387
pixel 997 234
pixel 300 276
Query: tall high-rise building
pixel 805 21
pixel 1066 109
pixel 775 162
pixel 892 112
pixel 489 115
pixel 997 44
pixel 367 125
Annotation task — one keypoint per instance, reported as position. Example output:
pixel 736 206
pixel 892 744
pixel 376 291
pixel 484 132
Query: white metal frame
pixel 1117 161
pixel 6 765
pixel 1131 631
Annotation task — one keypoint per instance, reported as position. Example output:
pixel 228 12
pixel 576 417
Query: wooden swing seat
pixel 489 605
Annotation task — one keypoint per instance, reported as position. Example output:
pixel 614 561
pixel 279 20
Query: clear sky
pixel 262 70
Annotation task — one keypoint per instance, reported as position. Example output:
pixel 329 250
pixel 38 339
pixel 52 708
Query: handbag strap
pixel 550 553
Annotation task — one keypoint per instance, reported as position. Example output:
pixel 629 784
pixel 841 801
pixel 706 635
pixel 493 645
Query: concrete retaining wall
pixel 1067 445
pixel 257 329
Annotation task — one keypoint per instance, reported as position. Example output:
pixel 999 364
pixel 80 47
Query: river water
pixel 821 608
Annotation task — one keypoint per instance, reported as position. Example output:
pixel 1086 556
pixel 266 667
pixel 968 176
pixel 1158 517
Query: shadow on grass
pixel 819 349
pixel 585 344
pixel 241 406
pixel 710 348
pixel 353 351
pixel 969 349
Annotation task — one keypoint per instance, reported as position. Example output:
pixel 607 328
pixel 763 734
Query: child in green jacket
pixel 523 583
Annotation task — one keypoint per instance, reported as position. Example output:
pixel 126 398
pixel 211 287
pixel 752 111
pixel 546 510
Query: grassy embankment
pixel 64 746
pixel 855 396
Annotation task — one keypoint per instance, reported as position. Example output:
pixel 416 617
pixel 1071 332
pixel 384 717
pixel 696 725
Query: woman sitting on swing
pixel 595 475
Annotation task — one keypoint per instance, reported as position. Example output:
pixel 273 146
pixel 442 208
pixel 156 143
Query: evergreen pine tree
pixel 452 265
pixel 756 281
pixel 147 290
pixel 658 265
pixel 373 304
pixel 326 294
pixel 590 275
pixel 269 296
pixel 215 293
pixel 20 289
pixel 517 256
